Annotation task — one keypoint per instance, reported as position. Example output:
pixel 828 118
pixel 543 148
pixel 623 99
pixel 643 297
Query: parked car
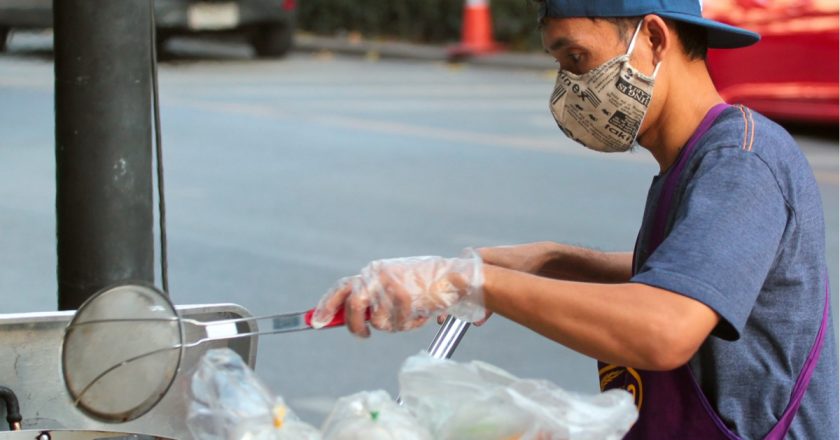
pixel 269 24
pixel 792 73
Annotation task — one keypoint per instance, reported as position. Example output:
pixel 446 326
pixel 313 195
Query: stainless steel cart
pixel 30 364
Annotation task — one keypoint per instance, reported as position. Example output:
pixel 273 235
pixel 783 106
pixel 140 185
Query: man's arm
pixel 562 262
pixel 630 324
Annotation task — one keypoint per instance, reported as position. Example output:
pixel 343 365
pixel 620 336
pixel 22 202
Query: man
pixel 719 322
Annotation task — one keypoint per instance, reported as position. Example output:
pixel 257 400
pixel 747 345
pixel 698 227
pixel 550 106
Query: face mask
pixel 603 109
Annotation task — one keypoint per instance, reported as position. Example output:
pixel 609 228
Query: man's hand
pixel 529 257
pixel 402 293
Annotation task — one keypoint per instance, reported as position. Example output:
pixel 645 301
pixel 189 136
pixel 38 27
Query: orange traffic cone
pixel 477 31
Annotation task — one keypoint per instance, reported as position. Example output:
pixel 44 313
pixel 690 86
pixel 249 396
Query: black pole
pixel 103 145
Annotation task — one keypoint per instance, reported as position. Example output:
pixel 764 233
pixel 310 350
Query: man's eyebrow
pixel 559 44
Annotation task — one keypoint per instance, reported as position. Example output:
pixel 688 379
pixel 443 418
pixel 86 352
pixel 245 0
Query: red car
pixel 792 73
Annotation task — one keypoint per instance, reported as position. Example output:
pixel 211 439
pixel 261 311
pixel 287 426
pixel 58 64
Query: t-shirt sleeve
pixel 725 237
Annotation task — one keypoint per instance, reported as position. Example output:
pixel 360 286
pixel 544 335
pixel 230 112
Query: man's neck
pixel 684 108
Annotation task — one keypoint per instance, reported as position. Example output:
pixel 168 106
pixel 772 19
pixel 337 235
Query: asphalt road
pixel 283 176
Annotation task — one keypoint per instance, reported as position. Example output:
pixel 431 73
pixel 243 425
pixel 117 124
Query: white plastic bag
pixel 228 402
pixel 371 415
pixel 477 401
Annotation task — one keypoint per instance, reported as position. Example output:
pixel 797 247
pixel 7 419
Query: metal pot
pixel 67 434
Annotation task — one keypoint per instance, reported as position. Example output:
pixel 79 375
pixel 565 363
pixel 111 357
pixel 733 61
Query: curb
pixel 421 52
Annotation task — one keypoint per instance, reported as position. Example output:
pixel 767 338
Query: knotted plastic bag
pixel 372 415
pixel 477 401
pixel 228 402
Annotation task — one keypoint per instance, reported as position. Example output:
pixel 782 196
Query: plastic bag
pixel 472 401
pixel 228 402
pixel 372 415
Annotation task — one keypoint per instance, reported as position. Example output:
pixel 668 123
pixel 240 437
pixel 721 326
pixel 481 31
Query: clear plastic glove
pixel 402 293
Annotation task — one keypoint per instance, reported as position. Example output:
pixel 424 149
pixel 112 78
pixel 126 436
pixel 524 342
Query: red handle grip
pixel 337 321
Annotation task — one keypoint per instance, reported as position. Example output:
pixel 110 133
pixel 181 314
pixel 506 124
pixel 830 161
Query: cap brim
pixel 720 35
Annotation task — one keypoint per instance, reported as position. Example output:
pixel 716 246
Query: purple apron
pixel 671 404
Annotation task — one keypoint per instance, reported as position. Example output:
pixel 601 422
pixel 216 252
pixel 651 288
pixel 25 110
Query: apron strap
pixel 671 181
pixel 780 430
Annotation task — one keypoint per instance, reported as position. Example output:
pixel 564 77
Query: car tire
pixel 272 40
pixel 4 38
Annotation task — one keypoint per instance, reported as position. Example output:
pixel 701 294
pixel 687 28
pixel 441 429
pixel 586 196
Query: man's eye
pixel 570 61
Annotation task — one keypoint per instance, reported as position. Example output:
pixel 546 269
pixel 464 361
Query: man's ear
pixel 658 36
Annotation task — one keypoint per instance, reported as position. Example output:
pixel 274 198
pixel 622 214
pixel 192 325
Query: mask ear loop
pixel 633 40
pixel 633 46
pixel 656 70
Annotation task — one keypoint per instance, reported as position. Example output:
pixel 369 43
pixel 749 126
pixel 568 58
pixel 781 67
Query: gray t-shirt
pixel 746 237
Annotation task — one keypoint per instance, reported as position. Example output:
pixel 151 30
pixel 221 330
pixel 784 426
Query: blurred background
pixel 304 138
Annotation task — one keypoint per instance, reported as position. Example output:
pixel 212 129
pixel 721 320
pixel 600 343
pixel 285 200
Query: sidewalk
pixel 390 49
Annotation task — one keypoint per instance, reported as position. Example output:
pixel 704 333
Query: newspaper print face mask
pixel 603 109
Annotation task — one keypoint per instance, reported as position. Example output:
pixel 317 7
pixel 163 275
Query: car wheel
pixel 4 37
pixel 272 40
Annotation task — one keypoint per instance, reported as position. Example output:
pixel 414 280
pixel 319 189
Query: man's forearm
pixel 628 324
pixel 572 263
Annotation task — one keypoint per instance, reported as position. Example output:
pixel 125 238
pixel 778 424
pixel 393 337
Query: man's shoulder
pixel 746 135
pixel 751 132
pixel 752 146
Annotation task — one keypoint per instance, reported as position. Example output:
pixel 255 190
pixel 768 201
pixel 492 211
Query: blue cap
pixel 687 11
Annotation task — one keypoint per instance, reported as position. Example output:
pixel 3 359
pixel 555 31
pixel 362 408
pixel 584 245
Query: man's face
pixel 581 44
